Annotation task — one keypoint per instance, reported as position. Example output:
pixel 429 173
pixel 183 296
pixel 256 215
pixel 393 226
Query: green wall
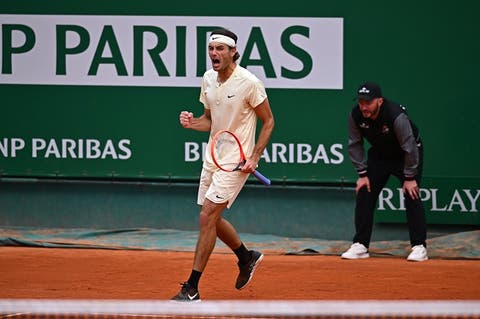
pixel 423 53
pixel 324 213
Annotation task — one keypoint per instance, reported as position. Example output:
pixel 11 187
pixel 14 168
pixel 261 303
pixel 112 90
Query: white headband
pixel 222 39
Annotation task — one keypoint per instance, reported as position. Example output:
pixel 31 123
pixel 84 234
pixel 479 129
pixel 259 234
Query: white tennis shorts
pixel 220 187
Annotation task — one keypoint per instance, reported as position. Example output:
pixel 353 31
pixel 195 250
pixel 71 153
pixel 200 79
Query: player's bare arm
pixel 264 113
pixel 201 123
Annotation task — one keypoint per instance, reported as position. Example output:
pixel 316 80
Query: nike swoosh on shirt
pixel 230 96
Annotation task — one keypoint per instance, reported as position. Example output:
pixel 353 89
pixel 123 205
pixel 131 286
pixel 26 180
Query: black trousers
pixel 379 171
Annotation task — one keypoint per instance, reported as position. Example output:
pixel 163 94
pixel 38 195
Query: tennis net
pixel 132 309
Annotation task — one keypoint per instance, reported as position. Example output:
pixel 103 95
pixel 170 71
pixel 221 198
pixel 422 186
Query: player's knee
pixel 208 218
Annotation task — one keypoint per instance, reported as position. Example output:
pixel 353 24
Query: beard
pixel 371 114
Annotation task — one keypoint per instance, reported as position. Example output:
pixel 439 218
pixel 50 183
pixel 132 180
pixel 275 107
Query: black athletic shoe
pixel 187 294
pixel 247 270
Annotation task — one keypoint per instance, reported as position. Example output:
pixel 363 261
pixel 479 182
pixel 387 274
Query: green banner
pixel 94 89
pixel 446 201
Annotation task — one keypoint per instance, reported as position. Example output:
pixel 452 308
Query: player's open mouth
pixel 215 62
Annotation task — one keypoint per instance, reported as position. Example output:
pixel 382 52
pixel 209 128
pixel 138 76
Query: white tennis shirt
pixel 232 105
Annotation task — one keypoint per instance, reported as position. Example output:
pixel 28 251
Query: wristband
pixel 363 173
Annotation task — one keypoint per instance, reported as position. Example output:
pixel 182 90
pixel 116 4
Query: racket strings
pixel 226 152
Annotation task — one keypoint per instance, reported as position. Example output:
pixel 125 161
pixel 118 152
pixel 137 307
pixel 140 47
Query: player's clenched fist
pixel 186 119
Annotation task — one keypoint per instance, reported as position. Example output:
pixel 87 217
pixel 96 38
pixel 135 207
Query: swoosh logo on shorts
pixel 192 297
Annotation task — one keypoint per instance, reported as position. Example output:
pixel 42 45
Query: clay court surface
pixel 138 274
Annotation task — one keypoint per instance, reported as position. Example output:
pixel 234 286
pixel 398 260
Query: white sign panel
pixel 166 51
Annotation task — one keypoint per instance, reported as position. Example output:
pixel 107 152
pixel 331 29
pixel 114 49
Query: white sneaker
pixel 419 253
pixel 356 251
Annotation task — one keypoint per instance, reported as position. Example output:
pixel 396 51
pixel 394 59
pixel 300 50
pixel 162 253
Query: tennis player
pixel 233 99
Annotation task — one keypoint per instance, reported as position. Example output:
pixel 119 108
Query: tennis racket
pixel 227 154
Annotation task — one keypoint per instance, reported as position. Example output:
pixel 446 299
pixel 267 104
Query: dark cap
pixel 369 91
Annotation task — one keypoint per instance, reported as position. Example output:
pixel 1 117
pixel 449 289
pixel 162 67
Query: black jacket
pixel 392 136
